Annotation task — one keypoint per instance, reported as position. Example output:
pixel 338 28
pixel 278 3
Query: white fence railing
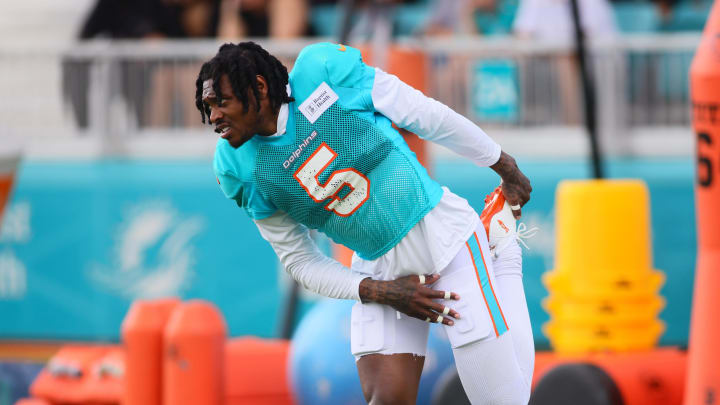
pixel 119 97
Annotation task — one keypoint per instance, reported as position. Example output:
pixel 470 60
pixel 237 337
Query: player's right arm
pixel 430 119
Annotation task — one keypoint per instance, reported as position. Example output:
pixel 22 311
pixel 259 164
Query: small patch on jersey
pixel 319 101
pixel 341 48
pixel 218 180
pixel 296 153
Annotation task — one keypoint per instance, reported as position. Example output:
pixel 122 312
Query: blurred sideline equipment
pixel 604 294
pixel 9 160
pixel 649 377
pixel 142 334
pixel 576 383
pixel 604 303
pixel 81 374
pixel 174 353
pixel 194 344
pixel 703 379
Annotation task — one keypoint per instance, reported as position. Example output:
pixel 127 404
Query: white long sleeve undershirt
pixel 432 120
pixel 303 260
pixel 410 109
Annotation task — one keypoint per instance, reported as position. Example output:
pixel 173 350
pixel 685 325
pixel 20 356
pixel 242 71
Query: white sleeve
pixel 304 262
pixel 432 120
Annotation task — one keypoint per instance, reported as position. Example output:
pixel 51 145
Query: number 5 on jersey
pixel 307 176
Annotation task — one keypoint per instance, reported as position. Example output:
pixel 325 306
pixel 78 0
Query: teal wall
pixel 81 240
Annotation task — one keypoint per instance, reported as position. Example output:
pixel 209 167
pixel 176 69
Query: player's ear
pixel 262 86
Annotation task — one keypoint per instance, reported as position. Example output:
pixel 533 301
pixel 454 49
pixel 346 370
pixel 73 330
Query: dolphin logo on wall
pixel 153 255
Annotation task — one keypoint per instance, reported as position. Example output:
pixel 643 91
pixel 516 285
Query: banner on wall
pixel 152 254
pixel 494 94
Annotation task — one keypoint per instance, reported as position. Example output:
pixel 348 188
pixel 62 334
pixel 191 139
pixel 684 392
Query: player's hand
pixel 411 297
pixel 515 185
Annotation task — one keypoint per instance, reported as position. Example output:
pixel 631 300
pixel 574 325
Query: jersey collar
pixel 282 117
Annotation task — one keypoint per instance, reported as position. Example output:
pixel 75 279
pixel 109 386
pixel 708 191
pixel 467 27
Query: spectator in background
pixel 146 88
pixel 456 17
pixel 138 19
pixel 261 18
pixel 551 21
pixel 157 93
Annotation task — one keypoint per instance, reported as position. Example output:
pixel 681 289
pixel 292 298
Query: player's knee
pixel 387 394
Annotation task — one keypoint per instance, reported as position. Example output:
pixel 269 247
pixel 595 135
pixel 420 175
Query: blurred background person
pixel 261 18
pixel 143 19
pixel 462 17
pixel 551 21
pixel 153 92
pixel 156 93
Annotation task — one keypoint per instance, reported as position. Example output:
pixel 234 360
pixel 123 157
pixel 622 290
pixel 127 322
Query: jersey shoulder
pixel 234 172
pixel 336 64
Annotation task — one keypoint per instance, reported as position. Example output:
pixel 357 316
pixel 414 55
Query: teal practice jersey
pixel 340 167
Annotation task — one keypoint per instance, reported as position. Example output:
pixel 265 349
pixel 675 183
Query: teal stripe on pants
pixel 487 288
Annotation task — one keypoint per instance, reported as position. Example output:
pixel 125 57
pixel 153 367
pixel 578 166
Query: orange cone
pixel 194 355
pixel 142 335
pixel 703 377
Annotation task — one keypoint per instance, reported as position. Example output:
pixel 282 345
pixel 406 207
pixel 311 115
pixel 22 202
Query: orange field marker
pixel 142 335
pixel 703 377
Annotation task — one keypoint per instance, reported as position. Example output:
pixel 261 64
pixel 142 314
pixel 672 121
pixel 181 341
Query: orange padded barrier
pixel 142 335
pixel 256 372
pixel 65 378
pixel 105 383
pixel 6 182
pixel 703 378
pixel 644 378
pixel 194 344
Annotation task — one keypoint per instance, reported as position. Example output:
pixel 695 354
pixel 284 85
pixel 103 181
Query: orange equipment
pixel 81 375
pixel 194 364
pixel 142 335
pixel 8 166
pixel 644 378
pixel 256 372
pixel 703 378
pixel 105 383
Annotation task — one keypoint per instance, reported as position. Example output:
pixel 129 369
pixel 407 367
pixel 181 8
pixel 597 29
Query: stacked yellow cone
pixel 604 294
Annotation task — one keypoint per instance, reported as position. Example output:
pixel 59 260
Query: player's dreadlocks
pixel 242 62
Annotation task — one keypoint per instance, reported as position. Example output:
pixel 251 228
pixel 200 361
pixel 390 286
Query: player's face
pixel 231 121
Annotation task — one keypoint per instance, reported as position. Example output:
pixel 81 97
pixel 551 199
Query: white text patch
pixel 319 101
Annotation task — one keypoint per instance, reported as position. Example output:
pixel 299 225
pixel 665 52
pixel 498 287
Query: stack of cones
pixel 604 294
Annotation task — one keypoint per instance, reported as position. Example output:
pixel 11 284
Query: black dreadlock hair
pixel 242 62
